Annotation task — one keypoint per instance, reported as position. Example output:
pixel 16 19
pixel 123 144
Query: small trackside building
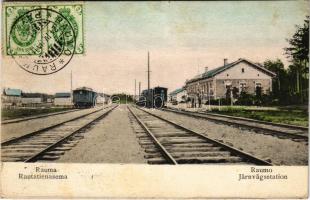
pixel 102 98
pixel 241 75
pixel 29 99
pixel 178 95
pixel 63 99
pixel 11 97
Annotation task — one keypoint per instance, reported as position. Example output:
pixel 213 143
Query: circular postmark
pixel 42 41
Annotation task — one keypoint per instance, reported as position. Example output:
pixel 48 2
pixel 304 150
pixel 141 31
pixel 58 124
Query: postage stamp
pixel 154 99
pixel 43 40
pixel 74 14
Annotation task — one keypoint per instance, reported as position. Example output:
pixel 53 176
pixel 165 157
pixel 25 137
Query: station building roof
pixel 213 72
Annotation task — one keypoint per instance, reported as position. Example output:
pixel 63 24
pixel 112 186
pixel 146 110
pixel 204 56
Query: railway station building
pixel 240 75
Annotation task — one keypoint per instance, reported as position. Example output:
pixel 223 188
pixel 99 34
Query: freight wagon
pixel 84 97
pixel 153 98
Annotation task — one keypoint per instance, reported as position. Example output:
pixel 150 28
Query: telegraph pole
pixel 148 80
pixel 71 88
pixel 135 90
pixel 148 70
pixel 139 89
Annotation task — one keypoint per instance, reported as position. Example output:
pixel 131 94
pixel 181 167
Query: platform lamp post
pixel 231 98
pixel 149 94
pixel 71 90
pixel 103 99
pixel 209 97
pixel 139 89
pixel 198 93
pixel 134 98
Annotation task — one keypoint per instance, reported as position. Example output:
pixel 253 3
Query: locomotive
pixel 84 97
pixel 153 98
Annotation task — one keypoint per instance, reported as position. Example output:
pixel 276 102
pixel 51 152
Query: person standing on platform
pixel 192 100
pixel 199 100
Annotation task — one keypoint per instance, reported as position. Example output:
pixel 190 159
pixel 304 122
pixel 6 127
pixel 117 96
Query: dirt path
pixel 111 140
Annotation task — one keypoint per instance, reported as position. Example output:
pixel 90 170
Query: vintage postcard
pixel 154 99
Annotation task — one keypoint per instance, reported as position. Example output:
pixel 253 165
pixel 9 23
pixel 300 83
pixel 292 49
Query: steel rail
pixel 11 121
pixel 35 157
pixel 14 139
pixel 164 151
pixel 204 116
pixel 238 152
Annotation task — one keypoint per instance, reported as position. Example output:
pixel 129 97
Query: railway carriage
pixel 159 97
pixel 153 98
pixel 84 97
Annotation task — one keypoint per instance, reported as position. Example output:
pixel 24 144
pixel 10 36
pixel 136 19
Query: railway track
pixel 296 133
pixel 52 126
pixel 50 143
pixel 166 142
pixel 10 121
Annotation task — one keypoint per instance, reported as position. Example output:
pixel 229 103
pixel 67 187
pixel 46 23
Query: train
pixel 84 97
pixel 156 97
pixel 153 98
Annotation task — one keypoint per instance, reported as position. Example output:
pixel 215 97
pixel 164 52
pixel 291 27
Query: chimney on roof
pixel 225 61
pixel 206 69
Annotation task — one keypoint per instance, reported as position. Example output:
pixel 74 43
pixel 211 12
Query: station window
pixel 242 86
pixel 242 70
pixel 257 74
pixel 227 74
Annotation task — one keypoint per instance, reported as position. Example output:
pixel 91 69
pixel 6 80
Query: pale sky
pixel 182 38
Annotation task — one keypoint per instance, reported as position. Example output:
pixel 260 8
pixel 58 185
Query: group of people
pixel 194 101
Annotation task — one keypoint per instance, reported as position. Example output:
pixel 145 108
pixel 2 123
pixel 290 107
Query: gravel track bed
pixel 267 147
pixel 111 140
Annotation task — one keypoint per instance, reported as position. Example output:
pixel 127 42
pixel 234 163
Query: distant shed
pixel 63 99
pixel 32 98
pixel 11 96
pixel 178 95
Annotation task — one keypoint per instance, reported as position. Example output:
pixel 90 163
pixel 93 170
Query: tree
pixel 235 92
pixel 228 91
pixel 299 43
pixel 280 83
pixel 298 52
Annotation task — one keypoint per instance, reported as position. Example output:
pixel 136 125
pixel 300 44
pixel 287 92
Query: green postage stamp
pixel 42 39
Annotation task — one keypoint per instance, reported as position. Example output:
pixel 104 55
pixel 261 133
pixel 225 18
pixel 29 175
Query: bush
pixel 223 101
pixel 246 99
pixel 229 109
